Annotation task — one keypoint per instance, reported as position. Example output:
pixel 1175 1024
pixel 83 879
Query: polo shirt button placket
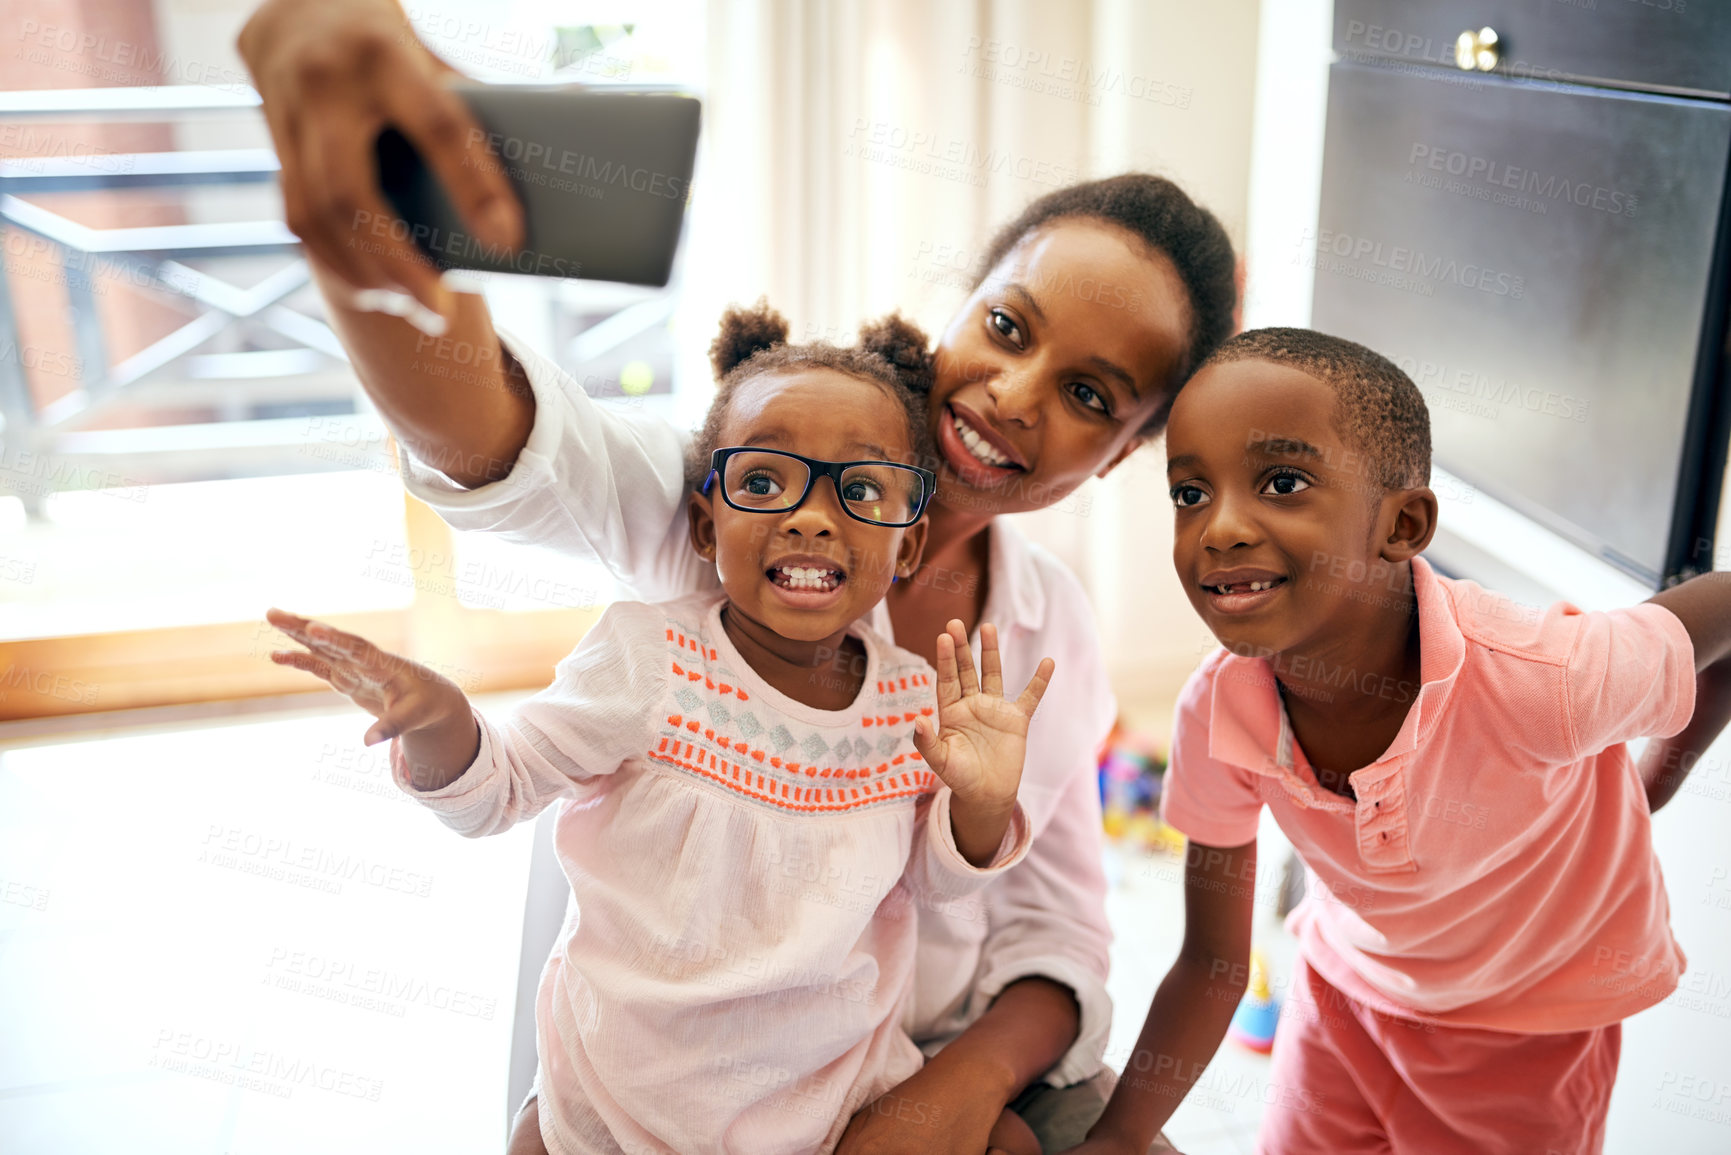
pixel 1377 824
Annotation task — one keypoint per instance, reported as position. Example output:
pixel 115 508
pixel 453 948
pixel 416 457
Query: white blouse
pixel 608 487
pixel 747 873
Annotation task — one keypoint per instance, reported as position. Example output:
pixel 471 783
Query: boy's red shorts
pixel 1353 1080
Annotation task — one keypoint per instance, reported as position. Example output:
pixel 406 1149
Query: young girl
pixel 749 821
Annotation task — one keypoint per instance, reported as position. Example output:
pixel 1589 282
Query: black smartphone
pixel 604 175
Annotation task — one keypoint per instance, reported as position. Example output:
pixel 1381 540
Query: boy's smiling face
pixel 1269 494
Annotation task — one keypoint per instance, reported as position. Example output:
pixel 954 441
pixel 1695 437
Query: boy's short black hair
pixel 1378 410
pixel 1167 221
pixel 893 353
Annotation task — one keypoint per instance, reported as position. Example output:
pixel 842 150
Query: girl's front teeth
pixel 979 446
pixel 805 578
pixel 1253 586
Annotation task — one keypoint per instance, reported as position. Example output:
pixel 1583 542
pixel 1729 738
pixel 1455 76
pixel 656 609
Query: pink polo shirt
pixel 1497 869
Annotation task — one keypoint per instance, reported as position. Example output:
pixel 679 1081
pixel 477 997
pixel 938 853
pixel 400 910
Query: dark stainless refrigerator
pixel 1531 219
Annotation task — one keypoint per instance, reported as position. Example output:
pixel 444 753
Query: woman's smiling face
pixel 1050 369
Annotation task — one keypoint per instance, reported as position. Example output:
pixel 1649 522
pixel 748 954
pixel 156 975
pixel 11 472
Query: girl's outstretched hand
pixel 981 737
pixel 425 708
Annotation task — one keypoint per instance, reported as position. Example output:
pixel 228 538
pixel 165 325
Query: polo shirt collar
pixel 1245 726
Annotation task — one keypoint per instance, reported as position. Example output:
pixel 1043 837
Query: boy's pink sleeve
pixel 1630 674
pixel 1205 800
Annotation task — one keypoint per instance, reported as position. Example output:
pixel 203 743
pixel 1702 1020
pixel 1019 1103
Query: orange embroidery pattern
pixel 745 767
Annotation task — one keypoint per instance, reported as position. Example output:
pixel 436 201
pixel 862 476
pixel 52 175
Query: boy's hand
pixel 981 738
pixel 426 709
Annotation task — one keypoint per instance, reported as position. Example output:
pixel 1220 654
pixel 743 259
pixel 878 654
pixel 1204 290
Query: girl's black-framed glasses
pixel 884 493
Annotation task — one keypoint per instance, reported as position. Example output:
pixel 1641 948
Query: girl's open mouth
pixel 814 579
pixel 806 584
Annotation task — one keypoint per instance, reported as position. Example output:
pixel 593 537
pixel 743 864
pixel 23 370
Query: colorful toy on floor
pixel 1131 769
pixel 1258 1012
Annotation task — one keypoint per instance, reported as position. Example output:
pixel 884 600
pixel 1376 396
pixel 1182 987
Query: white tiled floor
pixel 1146 906
pixel 237 938
pixel 241 940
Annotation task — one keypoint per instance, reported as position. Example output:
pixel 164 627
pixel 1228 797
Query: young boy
pixel 1450 765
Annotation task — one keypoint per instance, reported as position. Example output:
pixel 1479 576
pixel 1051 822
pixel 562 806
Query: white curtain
pixel 857 156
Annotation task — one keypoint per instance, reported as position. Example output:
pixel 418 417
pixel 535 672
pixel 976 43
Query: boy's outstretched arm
pixel 1703 605
pixel 1193 1006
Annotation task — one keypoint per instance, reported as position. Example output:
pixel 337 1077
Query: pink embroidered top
pixel 607 484
pixel 1497 868
pixel 746 872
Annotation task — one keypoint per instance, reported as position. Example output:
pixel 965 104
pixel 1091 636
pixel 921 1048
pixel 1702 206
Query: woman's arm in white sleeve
pixel 599 483
pixel 497 438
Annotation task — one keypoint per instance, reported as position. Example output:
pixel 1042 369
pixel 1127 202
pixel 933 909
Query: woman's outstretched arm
pixel 332 74
pixel 460 402
pixel 496 438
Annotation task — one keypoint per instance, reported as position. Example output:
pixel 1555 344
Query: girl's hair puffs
pixel 893 354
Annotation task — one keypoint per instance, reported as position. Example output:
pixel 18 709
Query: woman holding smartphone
pixel 1040 382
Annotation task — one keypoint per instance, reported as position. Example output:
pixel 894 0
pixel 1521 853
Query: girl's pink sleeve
pixel 562 742
pixel 937 873
pixel 1047 919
